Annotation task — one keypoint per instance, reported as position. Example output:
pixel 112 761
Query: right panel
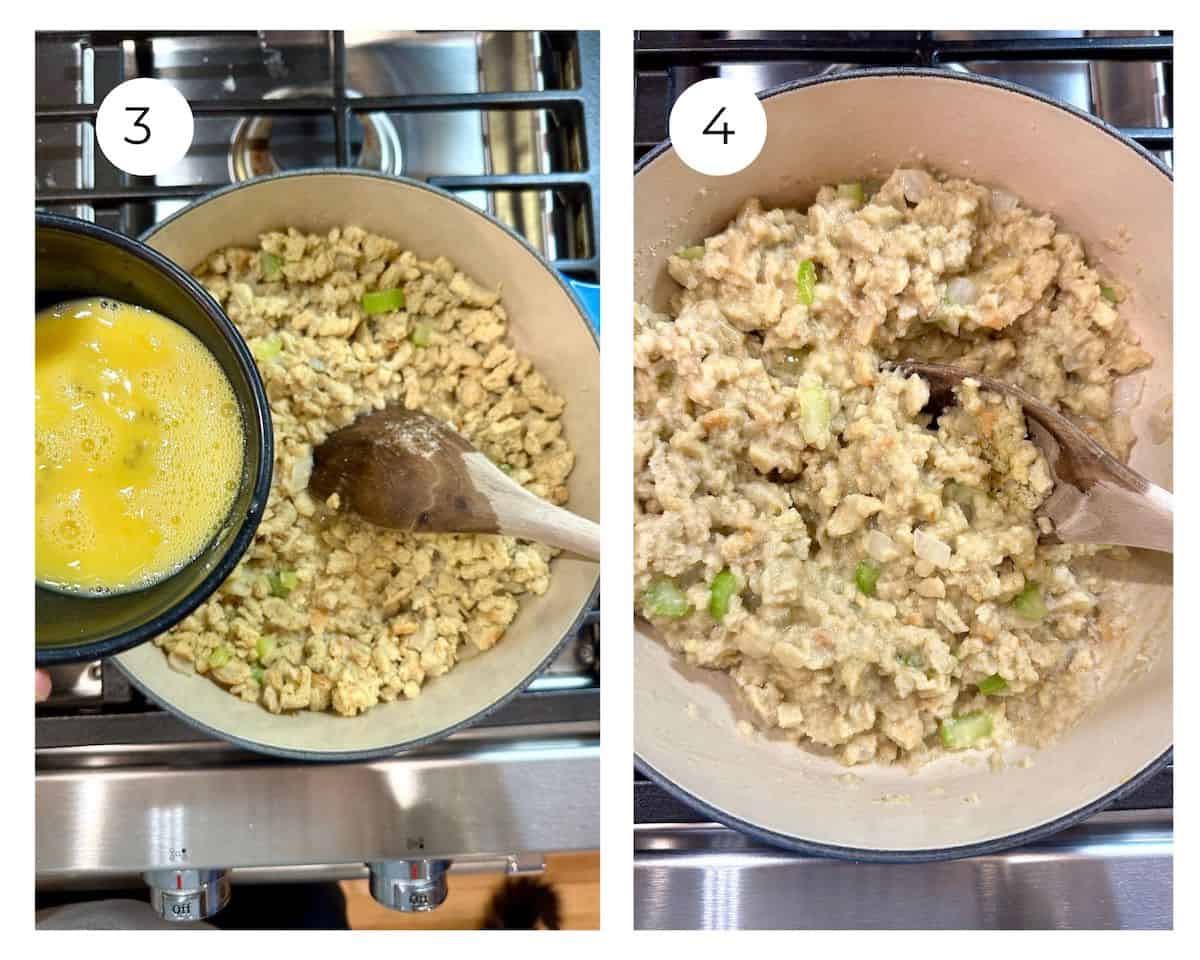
pixel 903 453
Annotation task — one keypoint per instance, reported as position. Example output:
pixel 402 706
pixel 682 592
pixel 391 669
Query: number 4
pixel 724 133
pixel 139 124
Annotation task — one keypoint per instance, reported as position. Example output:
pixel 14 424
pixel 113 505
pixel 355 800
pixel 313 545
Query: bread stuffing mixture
pixel 872 579
pixel 327 612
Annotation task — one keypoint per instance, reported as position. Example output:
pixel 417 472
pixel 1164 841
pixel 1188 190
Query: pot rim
pixel 260 410
pixel 376 753
pixel 817 848
pixel 994 845
pixel 940 74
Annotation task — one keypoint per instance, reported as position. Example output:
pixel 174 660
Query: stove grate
pixel 659 57
pixel 579 105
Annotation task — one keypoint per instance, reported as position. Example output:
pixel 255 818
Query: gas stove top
pixel 510 122
pixel 1115 869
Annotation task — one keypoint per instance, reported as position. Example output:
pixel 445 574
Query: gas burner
pixel 264 145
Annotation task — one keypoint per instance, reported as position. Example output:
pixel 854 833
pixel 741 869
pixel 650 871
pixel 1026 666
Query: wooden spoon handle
pixel 520 514
pixel 556 527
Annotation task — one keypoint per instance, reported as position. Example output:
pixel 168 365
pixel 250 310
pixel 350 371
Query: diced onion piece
pixel 916 184
pixel 1003 201
pixel 301 473
pixel 663 598
pixel 1127 393
pixel 814 413
pixel 930 548
pixel 880 546
pixel 961 291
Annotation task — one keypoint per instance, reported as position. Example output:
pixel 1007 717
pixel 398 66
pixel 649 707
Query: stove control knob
pixel 185 896
pixel 412 886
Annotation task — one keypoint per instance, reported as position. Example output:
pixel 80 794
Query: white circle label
pixel 144 126
pixel 718 126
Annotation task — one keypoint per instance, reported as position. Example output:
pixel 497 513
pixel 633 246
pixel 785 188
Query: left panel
pixel 317 474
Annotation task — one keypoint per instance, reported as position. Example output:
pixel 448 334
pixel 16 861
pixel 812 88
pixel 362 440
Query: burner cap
pixel 269 144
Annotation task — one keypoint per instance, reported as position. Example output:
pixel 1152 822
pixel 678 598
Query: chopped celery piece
pixel 220 656
pixel 814 412
pixel 271 264
pixel 958 733
pixel 507 468
pixel 663 598
pixel 1029 603
pixel 283 582
pixel 852 191
pixel 257 673
pixel 383 301
pixel 691 253
pixel 1109 294
pixel 989 686
pixel 724 586
pixel 806 282
pixel 422 335
pixel 267 348
pixel 913 660
pixel 263 647
pixel 866 575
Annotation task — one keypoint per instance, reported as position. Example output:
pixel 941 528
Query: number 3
pixel 139 125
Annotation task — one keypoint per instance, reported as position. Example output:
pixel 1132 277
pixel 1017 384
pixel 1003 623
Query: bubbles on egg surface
pixel 174 437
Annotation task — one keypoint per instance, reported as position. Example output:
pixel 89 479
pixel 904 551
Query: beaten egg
pixel 139 446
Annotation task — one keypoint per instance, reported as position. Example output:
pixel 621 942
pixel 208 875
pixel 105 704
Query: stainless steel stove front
pixel 484 795
pixel 1112 872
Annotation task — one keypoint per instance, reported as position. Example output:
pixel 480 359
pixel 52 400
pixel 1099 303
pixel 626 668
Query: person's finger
pixel 41 688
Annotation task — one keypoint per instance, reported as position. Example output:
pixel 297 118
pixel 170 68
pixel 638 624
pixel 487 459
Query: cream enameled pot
pixel 547 324
pixel 1118 199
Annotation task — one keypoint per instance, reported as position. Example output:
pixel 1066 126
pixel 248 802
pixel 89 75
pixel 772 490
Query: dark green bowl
pixel 76 259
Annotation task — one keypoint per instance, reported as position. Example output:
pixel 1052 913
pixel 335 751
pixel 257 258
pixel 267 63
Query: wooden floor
pixel 575 877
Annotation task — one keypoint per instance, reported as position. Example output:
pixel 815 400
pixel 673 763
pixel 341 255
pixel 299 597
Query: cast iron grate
pixel 579 103
pixel 659 57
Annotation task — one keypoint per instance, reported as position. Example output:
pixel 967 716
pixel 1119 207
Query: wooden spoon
pixel 407 470
pixel 1096 498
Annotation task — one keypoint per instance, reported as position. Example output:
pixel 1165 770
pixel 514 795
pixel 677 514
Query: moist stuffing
pixel 326 611
pixel 873 581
